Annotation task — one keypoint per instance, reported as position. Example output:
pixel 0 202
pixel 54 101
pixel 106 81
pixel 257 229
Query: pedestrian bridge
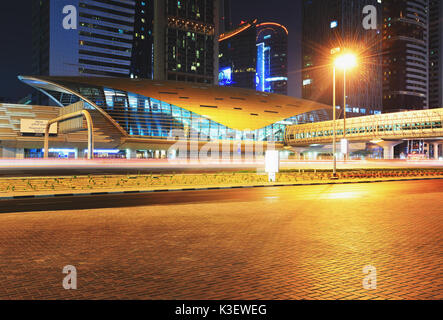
pixel 386 130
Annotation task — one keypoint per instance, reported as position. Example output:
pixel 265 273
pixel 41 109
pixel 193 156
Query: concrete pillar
pixel 298 151
pixel 131 154
pixel 435 150
pixel 388 148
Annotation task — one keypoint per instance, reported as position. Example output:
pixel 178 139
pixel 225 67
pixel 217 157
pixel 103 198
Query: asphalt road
pixel 308 242
pixel 237 194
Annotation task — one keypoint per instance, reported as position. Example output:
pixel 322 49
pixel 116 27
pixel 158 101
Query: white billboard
pixel 36 126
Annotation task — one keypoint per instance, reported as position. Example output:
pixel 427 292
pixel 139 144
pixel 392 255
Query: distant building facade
pixel 161 39
pixel 435 54
pixel 272 58
pixel 255 56
pixel 331 27
pixel 225 16
pixel 185 40
pixel 406 55
pixel 113 38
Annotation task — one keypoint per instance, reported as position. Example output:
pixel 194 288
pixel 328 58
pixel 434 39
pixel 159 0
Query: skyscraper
pixel 112 38
pixel 406 55
pixel 333 25
pixel 255 56
pixel 185 40
pixel 142 57
pixel 238 56
pixel 435 54
pixel 225 16
pixel 161 39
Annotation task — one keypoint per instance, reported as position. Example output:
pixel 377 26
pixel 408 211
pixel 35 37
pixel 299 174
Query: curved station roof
pixel 238 109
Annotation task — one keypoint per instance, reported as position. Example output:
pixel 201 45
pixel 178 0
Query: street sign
pixel 74 124
pixel 36 126
pixel 344 146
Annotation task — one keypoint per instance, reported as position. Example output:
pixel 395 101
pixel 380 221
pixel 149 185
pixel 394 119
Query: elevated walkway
pixel 386 130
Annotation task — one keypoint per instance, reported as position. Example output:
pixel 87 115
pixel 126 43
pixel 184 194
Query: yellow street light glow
pixel 346 61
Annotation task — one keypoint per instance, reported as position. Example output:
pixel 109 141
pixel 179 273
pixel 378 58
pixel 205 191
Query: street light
pixel 345 62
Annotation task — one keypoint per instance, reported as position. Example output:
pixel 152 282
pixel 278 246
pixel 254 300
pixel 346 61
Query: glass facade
pixel 330 26
pixel 190 39
pixel 112 38
pixel 147 117
pixel 272 58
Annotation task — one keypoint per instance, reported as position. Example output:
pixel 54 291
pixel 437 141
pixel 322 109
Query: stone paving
pixel 307 242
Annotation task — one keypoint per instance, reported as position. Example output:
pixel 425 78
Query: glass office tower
pixel 333 25
pixel 406 58
pixel 113 38
pixel 254 56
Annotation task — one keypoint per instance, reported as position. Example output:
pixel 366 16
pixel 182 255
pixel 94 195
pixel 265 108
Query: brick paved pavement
pixel 278 243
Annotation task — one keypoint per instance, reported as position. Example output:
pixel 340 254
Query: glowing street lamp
pixel 345 62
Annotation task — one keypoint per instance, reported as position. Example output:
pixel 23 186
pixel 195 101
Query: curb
pixel 44 196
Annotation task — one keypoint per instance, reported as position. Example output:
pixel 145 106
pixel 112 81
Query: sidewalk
pixel 177 188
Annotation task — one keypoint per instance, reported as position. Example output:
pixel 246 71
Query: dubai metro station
pixel 139 118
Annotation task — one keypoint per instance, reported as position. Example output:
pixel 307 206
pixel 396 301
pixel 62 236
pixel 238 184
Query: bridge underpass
pixel 385 130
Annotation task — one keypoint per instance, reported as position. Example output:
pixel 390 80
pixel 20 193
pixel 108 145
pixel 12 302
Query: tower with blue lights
pixel 255 56
pixel 272 58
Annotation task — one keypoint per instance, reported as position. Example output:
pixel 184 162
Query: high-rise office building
pixel 112 38
pixel 255 56
pixel 435 54
pixel 161 39
pixel 185 40
pixel 142 57
pixel 335 26
pixel 225 16
pixel 406 55
pixel 238 56
pixel 272 58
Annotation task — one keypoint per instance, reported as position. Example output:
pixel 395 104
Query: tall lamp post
pixel 345 62
pixel 334 140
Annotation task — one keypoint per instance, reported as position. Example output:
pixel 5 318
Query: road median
pixel 41 187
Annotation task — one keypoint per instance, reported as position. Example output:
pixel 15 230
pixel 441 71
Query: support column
pixel 298 151
pixel 131 154
pixel 435 150
pixel 388 148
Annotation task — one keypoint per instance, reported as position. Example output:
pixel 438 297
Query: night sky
pixel 15 32
pixel 15 51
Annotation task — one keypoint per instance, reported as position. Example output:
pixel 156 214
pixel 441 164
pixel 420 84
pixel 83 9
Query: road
pixel 307 242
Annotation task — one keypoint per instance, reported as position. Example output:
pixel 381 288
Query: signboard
pixel 74 124
pixel 344 146
pixel 272 161
pixel 36 126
